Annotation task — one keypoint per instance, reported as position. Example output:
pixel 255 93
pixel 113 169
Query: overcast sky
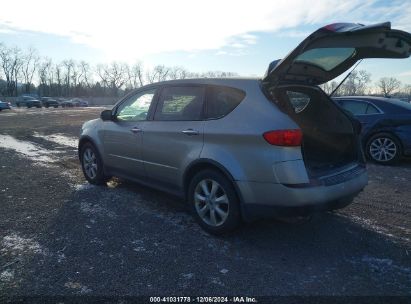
pixel 238 36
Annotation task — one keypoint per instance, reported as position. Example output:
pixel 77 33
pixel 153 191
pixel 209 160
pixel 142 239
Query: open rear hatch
pixel 330 136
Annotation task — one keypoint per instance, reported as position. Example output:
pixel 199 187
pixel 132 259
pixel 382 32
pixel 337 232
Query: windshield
pixel 326 58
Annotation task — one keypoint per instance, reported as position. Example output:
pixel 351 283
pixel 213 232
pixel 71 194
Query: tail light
pixel 287 138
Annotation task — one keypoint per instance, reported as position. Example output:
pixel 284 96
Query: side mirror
pixel 106 115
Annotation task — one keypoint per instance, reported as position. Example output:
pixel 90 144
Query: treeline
pixel 26 72
pixel 359 83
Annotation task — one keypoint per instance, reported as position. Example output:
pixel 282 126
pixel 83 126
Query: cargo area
pixel 329 138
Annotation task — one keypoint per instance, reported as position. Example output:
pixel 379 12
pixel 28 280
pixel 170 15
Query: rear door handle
pixel 136 130
pixel 190 132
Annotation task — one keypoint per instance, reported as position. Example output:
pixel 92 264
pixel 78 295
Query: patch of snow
pixel 16 245
pixel 6 276
pixel 383 265
pixel 224 271
pixel 80 187
pixel 83 289
pixel 30 150
pixel 366 223
pixel 60 139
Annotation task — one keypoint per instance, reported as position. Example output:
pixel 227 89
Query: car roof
pixel 231 81
pixel 386 104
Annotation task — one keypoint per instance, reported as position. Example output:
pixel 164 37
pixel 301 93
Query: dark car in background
pixel 5 105
pixel 386 126
pixel 49 102
pixel 74 102
pixel 28 101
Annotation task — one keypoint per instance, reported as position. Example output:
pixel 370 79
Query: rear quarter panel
pixel 236 140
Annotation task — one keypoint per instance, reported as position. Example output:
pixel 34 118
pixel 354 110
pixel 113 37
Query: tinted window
pixel 355 107
pixel 136 107
pixel 180 103
pixel 298 100
pixel 326 58
pixel 372 110
pixel 222 100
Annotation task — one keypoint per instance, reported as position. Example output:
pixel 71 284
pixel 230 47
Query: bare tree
pixel 356 83
pixel 45 76
pixel 388 85
pixel 158 73
pixel 68 66
pixel 59 78
pixel 10 61
pixel 407 90
pixel 329 87
pixel 29 66
pixel 178 73
pixel 135 75
pixel 85 74
pixel 114 75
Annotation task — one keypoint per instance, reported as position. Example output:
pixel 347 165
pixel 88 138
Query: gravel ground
pixel 61 236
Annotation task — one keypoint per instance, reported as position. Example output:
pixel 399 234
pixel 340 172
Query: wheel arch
pixel 376 132
pixel 86 139
pixel 203 164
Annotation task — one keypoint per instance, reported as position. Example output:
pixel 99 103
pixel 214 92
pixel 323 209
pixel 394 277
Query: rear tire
pixel 214 202
pixel 92 165
pixel 383 148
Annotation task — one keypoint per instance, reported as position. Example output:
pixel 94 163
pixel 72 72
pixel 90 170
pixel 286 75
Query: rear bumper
pixel 268 199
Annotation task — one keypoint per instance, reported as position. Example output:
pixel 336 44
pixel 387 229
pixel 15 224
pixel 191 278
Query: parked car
pixel 386 126
pixel 49 102
pixel 241 149
pixel 75 102
pixel 28 101
pixel 5 105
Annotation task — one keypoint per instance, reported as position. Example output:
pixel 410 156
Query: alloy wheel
pixel 211 202
pixel 383 149
pixel 90 163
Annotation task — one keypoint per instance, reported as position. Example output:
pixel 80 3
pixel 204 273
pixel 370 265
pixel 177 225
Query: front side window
pixel 180 103
pixel 222 100
pixel 136 107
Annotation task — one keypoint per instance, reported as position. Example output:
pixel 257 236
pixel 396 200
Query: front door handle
pixel 190 132
pixel 136 130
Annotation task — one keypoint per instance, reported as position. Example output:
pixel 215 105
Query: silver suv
pixel 241 149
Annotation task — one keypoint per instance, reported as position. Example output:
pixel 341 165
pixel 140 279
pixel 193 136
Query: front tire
pixel 92 165
pixel 383 148
pixel 214 202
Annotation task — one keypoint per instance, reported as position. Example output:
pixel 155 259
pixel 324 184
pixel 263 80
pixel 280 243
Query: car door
pixel 366 113
pixel 174 137
pixel 122 137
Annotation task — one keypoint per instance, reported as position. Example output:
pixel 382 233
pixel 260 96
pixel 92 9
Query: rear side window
pixel 222 100
pixel 359 107
pixel 298 100
pixel 180 103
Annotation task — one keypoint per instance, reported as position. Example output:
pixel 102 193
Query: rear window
pixel 222 100
pixel 326 58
